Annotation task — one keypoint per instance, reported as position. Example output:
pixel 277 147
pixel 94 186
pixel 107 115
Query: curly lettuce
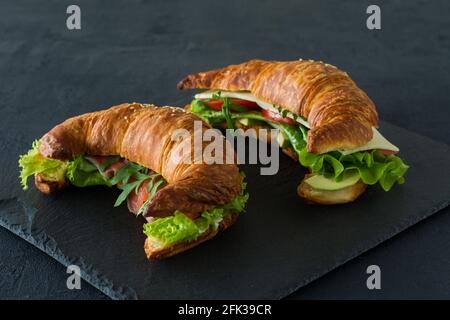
pixel 33 163
pixel 178 228
pixel 372 166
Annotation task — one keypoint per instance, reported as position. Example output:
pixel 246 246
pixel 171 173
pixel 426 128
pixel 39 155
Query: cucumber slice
pixel 320 182
pixel 244 121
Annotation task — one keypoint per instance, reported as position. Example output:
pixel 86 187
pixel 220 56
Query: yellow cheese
pixel 377 142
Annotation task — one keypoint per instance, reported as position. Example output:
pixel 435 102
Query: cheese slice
pixel 377 142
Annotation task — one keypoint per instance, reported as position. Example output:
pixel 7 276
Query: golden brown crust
pixel 143 134
pixel 154 251
pixel 341 115
pixel 48 186
pixel 345 195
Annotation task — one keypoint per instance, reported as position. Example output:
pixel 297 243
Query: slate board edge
pixel 46 243
pixel 106 286
pixel 395 231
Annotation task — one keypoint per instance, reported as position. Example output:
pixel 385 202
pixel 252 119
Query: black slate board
pixel 138 53
pixel 278 245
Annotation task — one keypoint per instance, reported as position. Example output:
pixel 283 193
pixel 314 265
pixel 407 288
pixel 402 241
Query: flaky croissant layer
pixel 340 114
pixel 143 134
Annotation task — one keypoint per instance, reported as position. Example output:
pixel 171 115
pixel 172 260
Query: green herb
pixel 152 191
pixel 126 190
pixel 236 107
pixel 217 95
pixel 108 162
pixel 227 115
pixel 131 176
pixel 293 133
pixel 129 170
pixel 150 184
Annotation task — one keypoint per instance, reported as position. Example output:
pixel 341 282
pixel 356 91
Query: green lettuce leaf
pixel 372 166
pixel 293 133
pixel 81 173
pixel 172 229
pixel 33 163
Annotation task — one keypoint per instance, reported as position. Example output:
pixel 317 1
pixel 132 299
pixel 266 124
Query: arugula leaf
pixel 227 115
pixel 155 188
pixel 139 178
pixel 126 190
pixel 152 191
pixel 236 107
pixel 217 95
pixel 150 184
pixel 129 170
pixel 108 162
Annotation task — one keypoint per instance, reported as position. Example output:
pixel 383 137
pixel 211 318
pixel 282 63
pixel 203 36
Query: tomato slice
pixel 135 201
pixel 216 104
pixel 276 117
pixel 245 103
pixel 387 152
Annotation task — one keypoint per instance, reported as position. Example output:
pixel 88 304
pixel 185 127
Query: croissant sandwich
pixel 325 122
pixel 131 146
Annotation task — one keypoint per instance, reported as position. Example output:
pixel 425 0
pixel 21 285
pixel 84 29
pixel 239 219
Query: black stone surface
pixel 139 52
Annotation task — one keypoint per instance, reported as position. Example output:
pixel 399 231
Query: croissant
pixel 340 114
pixel 313 100
pixel 142 134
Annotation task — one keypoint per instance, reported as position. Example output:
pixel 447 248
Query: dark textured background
pixel 404 68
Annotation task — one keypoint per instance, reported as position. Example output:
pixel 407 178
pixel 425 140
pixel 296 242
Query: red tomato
pixel 135 201
pixel 276 117
pixel 246 103
pixel 216 104
pixel 387 152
